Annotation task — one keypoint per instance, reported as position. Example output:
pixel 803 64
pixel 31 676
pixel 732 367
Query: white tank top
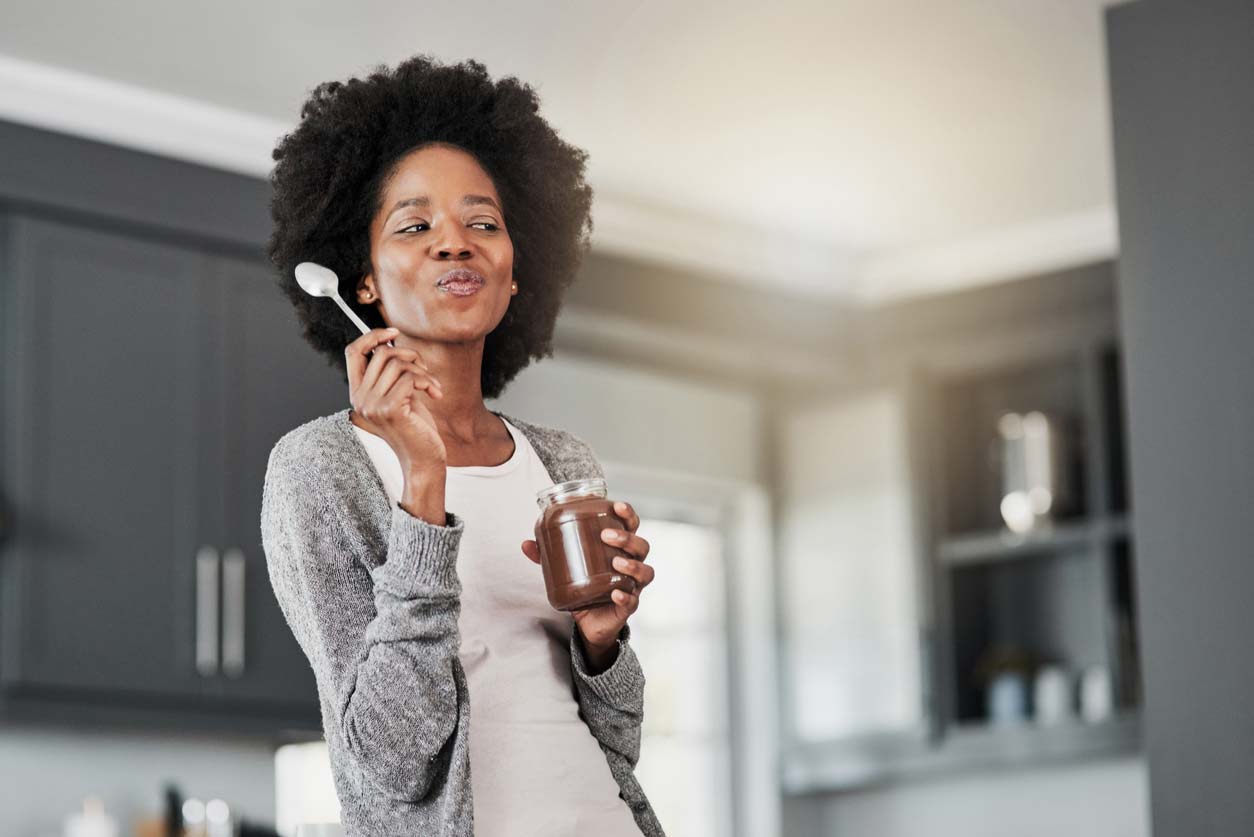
pixel 535 768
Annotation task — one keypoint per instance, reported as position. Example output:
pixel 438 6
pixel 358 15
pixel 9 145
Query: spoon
pixel 316 280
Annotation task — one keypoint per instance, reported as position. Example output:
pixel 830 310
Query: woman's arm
pixel 612 705
pixel 394 687
pixel 612 701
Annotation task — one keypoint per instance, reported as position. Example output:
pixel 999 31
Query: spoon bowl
pixel 316 280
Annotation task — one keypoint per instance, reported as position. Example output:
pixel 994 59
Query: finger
pixel 381 373
pixel 375 366
pixel 628 514
pixel 356 351
pixel 532 550
pixel 588 617
pixel 426 381
pixel 376 378
pixel 625 604
pixel 626 541
pixel 400 378
pixel 615 606
pixel 640 571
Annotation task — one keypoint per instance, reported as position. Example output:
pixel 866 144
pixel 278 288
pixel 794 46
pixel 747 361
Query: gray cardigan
pixel 372 596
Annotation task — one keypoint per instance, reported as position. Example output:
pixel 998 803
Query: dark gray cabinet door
pixel 110 460
pixel 274 382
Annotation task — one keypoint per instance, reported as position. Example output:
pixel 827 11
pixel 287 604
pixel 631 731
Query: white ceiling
pixel 860 148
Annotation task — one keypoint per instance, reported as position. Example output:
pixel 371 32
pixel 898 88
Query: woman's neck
pixel 460 415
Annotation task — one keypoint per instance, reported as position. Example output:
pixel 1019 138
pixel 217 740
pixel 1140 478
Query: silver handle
pixel 233 578
pixel 207 611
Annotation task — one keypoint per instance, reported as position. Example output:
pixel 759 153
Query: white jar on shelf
pixel 1097 702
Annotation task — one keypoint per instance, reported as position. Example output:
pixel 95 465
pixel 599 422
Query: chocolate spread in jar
pixel 577 564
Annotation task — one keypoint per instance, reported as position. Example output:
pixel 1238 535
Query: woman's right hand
pixel 384 391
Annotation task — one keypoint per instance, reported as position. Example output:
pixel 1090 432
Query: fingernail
pixel 622 563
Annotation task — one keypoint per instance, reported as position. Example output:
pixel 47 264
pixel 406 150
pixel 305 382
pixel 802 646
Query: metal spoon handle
pixel 352 315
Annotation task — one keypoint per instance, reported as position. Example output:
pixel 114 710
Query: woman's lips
pixel 461 281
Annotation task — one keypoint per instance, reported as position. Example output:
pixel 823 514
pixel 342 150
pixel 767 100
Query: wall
pixel 642 418
pixel 45 772
pixel 1184 130
pixel 848 569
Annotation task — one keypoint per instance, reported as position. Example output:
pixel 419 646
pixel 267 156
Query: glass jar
pixel 578 566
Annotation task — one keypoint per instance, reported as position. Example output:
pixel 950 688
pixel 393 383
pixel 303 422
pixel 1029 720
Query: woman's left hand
pixel 601 625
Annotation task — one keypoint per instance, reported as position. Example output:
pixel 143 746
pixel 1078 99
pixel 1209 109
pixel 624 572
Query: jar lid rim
pixel 571 488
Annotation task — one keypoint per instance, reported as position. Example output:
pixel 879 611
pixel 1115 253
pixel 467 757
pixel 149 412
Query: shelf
pixel 1004 545
pixel 852 765
pixel 1029 743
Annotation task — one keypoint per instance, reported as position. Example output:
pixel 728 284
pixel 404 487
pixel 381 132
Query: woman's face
pixel 440 213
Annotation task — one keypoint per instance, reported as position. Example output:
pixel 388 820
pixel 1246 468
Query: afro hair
pixel 330 172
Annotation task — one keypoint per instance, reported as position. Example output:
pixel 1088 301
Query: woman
pixel 455 700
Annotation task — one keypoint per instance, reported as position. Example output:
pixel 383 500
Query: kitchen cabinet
pixel 106 454
pixel 904 593
pixel 146 379
pixel 273 381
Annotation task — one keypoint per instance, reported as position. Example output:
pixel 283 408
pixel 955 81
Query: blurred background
pixel 918 333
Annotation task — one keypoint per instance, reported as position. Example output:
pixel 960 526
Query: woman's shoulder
pixel 316 443
pixel 551 437
pixel 566 455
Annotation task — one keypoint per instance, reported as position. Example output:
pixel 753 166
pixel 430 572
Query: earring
pixel 514 287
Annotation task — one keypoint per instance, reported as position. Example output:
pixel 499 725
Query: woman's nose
pixel 450 244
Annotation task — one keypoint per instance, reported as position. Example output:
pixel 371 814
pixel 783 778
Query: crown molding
pixel 128 115
pixel 595 331
pixel 720 248
pixel 134 117
pixel 1029 249
pixel 178 127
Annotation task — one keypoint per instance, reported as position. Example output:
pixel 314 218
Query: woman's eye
pixel 422 224
pixel 486 225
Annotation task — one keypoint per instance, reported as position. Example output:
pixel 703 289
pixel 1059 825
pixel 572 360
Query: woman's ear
pixel 365 290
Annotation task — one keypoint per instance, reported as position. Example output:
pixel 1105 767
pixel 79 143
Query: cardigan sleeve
pixel 612 705
pixel 397 689
pixel 612 701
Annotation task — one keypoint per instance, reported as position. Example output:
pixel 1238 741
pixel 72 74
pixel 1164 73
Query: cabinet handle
pixel 233 586
pixel 207 611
